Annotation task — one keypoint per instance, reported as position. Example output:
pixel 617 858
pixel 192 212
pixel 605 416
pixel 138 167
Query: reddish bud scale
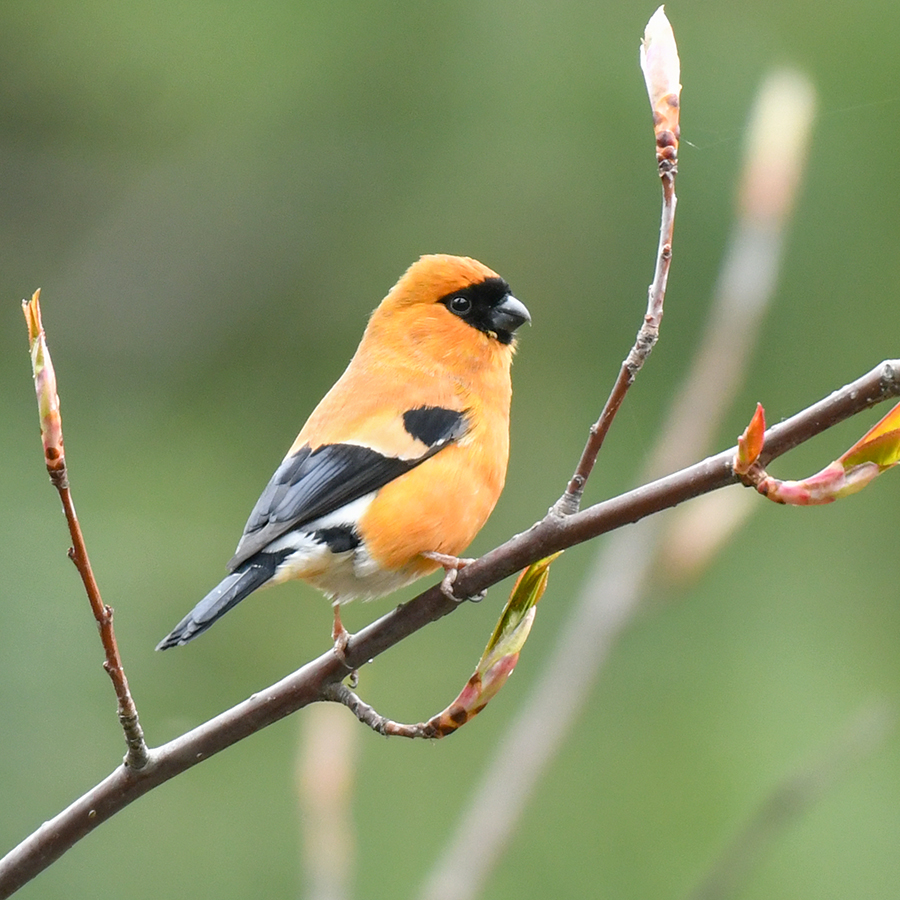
pixel 750 443
pixel 877 451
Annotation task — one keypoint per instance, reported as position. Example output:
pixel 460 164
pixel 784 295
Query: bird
pixel 401 463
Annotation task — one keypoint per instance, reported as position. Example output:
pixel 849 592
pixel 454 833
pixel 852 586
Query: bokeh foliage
pixel 212 196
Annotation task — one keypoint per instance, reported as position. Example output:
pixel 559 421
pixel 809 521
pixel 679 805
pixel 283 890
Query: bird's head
pixel 454 300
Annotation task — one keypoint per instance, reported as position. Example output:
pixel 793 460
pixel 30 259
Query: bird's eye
pixel 461 306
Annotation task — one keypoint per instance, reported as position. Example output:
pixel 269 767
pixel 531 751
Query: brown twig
pixel 136 756
pixel 647 336
pixel 55 459
pixel 338 692
pixel 307 684
pixel 659 60
pixel 497 663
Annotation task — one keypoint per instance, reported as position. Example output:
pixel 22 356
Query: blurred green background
pixel 213 196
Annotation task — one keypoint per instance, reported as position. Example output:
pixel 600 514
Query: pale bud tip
pixel 659 59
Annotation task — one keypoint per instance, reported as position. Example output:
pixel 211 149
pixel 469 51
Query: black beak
pixel 507 316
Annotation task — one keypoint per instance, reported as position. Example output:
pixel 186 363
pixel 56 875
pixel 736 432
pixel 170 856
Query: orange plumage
pixel 405 455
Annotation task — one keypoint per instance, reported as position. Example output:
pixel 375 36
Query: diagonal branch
pixel 309 684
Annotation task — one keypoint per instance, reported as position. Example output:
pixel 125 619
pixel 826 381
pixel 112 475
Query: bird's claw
pixel 452 565
pixel 341 638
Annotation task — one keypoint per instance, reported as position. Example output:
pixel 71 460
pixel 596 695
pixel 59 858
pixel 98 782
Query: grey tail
pixel 228 593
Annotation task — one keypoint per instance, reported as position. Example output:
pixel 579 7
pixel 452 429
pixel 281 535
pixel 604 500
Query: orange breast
pixel 439 506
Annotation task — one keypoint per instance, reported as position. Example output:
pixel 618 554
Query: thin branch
pixel 55 459
pixel 339 693
pixel 497 663
pixel 659 60
pixel 307 685
pixel 137 754
pixel 646 338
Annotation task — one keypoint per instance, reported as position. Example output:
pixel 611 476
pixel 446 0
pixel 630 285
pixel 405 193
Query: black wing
pixel 313 483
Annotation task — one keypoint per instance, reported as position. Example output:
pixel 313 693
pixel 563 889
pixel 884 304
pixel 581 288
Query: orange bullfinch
pixel 401 463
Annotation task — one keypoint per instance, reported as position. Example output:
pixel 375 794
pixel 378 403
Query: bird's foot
pixel 451 566
pixel 341 638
